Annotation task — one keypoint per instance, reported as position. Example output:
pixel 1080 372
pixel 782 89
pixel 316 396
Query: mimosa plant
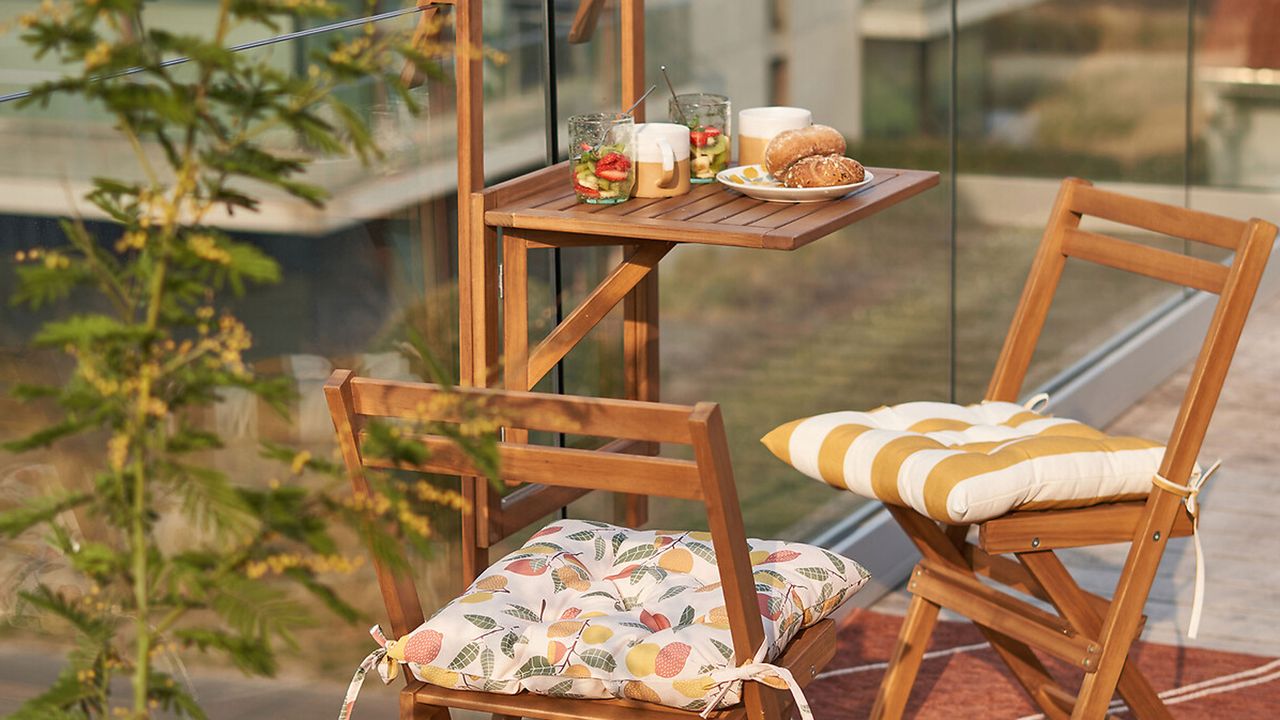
pixel 160 344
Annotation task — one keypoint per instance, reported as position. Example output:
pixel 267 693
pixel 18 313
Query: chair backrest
pixel 707 478
pixel 1235 284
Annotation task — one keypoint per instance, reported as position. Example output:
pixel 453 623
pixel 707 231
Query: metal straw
pixel 635 105
pixel 674 97
pixel 642 97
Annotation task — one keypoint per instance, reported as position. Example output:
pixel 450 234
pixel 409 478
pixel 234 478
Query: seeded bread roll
pixel 789 146
pixel 822 171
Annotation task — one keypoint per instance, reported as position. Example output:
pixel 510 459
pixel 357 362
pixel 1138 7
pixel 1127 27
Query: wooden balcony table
pixel 539 211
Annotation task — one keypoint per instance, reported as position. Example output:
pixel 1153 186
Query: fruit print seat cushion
pixel 589 610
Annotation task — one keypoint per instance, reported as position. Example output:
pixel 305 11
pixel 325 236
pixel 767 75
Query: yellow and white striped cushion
pixel 966 464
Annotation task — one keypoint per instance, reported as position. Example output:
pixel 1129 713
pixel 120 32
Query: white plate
pixel 754 181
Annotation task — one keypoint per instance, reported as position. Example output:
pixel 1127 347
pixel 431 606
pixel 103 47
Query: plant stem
pixel 142 651
pixel 138 514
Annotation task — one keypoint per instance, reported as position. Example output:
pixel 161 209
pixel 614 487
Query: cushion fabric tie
pixel 388 669
pixel 1037 402
pixel 1190 497
pixel 761 672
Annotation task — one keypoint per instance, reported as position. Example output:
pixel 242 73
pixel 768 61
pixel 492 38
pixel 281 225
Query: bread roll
pixel 822 171
pixel 791 145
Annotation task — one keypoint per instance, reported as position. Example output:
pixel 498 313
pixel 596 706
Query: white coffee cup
pixel 662 160
pixel 757 126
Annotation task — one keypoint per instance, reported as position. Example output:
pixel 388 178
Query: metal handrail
pixel 252 45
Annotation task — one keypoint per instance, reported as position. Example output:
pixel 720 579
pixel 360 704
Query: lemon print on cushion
pixel 556 651
pixel 572 578
pixel 695 688
pixel 438 676
pixel 565 628
pixel 670 661
pixel 420 647
pixel 642 659
pixel 677 560
pixel 718 618
pixel 577 671
pixel 477 597
pixel 596 634
pixel 492 583
pixel 637 690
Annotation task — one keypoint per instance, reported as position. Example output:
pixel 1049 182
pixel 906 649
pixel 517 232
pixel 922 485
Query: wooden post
pixel 633 55
pixel 640 308
pixel 477 262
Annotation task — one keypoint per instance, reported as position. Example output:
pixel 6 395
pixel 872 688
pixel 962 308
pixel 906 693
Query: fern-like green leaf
pixel 18 520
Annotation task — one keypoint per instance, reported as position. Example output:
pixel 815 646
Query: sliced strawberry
pixel 614 161
pixel 612 175
pixel 585 191
pixel 585 147
pixel 704 135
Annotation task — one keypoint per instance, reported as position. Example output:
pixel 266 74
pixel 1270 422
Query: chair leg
pixel 1030 673
pixel 1121 624
pixel 917 626
pixel 1069 599
pixel 763 702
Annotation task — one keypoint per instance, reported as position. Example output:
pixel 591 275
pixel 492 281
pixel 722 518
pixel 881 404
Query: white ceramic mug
pixel 662 160
pixel 758 126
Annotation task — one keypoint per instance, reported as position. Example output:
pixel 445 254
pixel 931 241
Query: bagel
pixel 822 171
pixel 792 145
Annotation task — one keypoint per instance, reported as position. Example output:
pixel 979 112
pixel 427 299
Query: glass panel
pixel 1094 89
pixel 850 322
pixel 1237 110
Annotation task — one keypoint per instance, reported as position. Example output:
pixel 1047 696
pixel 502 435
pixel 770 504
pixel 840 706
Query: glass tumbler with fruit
pixel 710 138
pixel 602 157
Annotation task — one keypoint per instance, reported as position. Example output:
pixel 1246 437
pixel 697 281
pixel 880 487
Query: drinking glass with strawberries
pixel 602 157
pixel 710 138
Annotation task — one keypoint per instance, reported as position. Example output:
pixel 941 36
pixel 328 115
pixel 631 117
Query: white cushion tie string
pixel 388 669
pixel 1190 494
pixel 759 671
pixel 1038 402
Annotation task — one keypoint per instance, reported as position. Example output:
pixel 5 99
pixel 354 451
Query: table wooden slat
pixel 710 214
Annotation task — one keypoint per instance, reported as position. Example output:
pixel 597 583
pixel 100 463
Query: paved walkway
pixel 1240 516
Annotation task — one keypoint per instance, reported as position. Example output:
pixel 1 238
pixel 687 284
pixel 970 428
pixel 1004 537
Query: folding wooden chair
pixel 1090 632
pixel 707 479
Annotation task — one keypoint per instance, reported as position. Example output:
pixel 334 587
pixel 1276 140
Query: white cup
pixel 758 126
pixel 662 157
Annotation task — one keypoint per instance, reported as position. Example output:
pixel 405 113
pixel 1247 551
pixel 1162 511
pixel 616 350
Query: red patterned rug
pixel 962 677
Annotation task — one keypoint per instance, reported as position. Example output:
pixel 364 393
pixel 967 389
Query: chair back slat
pixel 562 467
pixel 1157 217
pixel 651 422
pixel 1145 260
